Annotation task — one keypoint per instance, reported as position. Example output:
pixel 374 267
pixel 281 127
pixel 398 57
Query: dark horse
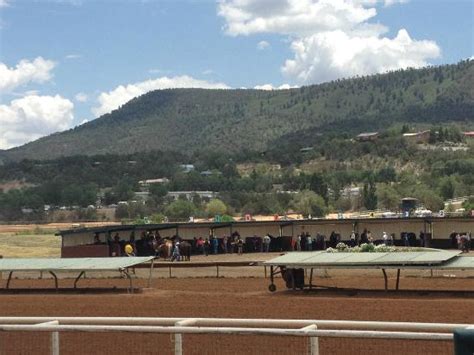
pixel 185 251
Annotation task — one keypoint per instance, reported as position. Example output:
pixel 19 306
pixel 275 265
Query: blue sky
pixel 66 61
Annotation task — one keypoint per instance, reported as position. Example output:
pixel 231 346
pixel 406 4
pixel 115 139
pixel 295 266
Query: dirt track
pixel 242 298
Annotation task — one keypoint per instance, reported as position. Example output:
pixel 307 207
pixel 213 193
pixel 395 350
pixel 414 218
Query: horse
pixel 165 249
pixel 185 250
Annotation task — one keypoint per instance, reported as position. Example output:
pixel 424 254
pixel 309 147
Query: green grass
pixel 27 245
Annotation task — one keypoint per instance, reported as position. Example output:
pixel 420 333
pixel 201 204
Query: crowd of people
pixel 152 244
pixel 461 241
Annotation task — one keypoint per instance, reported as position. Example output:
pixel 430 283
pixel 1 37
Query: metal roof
pixel 237 224
pixel 375 259
pixel 71 264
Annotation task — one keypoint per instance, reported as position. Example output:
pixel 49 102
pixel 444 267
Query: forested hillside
pixel 190 120
pixel 258 152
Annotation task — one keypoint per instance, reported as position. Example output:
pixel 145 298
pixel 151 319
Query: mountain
pixel 190 120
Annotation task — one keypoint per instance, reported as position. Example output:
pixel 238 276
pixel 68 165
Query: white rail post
pixel 55 343
pixel 313 341
pixel 54 337
pixel 178 338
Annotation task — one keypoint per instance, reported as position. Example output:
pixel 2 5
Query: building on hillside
pixel 187 167
pixel 367 137
pixel 469 134
pixel 350 191
pixel 207 173
pixel 146 183
pixel 306 149
pixel 418 137
pixel 188 195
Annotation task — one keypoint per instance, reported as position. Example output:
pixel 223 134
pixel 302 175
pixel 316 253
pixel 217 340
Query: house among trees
pixel 145 183
pixel 188 195
pixel 418 137
pixel 367 137
pixel 187 167
pixel 469 134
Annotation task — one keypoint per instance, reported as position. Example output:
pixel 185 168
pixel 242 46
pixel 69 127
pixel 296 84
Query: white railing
pixel 310 329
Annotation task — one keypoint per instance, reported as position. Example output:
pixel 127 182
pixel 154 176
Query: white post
pixel 55 343
pixel 178 338
pixel 54 337
pixel 313 341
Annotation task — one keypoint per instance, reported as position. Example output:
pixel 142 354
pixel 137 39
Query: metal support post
pixel 398 279
pixel 178 338
pixel 55 280
pixel 9 279
pixel 151 273
pixel 77 279
pixel 54 336
pixel 313 341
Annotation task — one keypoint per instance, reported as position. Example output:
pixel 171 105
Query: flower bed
pixel 371 248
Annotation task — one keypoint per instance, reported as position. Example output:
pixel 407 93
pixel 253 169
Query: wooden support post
pixel 311 279
pixel 170 271
pixel 385 279
pixel 217 267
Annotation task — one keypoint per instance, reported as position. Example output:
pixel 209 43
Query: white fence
pixel 306 335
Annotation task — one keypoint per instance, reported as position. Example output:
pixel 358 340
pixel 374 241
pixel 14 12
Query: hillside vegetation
pixel 258 151
pixel 186 120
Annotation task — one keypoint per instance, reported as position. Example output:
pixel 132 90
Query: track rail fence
pixel 124 335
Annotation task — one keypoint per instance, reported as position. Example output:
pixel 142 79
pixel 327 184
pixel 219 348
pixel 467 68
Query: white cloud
pixel 81 97
pixel 262 45
pixel 328 55
pixel 392 2
pixel 73 56
pixel 38 71
pixel 295 17
pixel 208 72
pixel 109 101
pixel 330 39
pixel 4 3
pixel 271 87
pixel 32 117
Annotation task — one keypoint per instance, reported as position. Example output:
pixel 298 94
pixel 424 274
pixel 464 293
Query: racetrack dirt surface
pixel 245 297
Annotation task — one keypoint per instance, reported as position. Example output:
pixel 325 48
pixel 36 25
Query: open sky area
pixel 65 62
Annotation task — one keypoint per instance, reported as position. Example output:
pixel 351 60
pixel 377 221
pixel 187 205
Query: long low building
pixel 90 242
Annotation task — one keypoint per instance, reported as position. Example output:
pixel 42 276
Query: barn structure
pixel 94 242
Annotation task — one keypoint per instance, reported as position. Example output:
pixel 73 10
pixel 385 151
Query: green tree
pixel 318 185
pixel 388 198
pixel 216 207
pixel 180 209
pixel 369 195
pixel 446 188
pixel 309 203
